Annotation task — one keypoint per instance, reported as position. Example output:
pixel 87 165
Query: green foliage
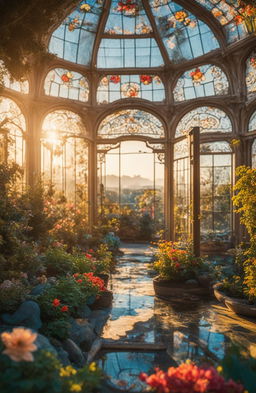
pixel 58 262
pixel 233 286
pixel 104 260
pixel 46 374
pixel 58 328
pixel 12 294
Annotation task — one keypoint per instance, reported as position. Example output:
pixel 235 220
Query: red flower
pixel 115 78
pixel 64 309
pixel 88 256
pixel 79 281
pixel 56 302
pixel 177 265
pixel 146 79
pixel 75 275
pixel 91 250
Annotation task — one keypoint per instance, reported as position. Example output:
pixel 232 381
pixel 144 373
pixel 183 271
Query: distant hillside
pixel 132 182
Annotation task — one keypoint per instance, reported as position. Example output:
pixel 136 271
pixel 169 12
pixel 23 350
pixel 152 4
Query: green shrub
pixel 104 260
pixel 12 294
pixel 58 262
pixel 58 328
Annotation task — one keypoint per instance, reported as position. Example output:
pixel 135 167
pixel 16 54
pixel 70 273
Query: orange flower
pixel 19 344
pixel 56 302
pixel 64 309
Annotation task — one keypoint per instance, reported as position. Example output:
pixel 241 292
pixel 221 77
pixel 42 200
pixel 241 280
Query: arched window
pixel 252 123
pixel 21 86
pixel 209 119
pixel 131 122
pixel 115 87
pixel 203 81
pixel 64 83
pixel 12 133
pixel 185 37
pixel 251 75
pixel 64 154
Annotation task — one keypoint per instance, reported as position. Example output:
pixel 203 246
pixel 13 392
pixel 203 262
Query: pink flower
pixel 19 344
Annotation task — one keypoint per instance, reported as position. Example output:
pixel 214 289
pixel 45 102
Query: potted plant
pixel 181 276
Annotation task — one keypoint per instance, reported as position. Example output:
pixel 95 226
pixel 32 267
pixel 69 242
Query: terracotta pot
pixel 179 291
pixel 104 277
pixel 103 301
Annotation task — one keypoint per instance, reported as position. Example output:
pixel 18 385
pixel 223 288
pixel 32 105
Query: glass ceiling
pixel 139 34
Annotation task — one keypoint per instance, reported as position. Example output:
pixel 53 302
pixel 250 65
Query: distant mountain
pixel 132 182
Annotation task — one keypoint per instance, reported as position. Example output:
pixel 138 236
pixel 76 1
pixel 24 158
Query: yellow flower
pixel 93 367
pixel 67 371
pixel 19 344
pixel 219 369
pixel 75 387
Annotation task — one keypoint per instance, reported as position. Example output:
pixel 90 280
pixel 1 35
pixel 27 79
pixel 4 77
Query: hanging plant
pixel 115 78
pixel 146 79
pixel 197 76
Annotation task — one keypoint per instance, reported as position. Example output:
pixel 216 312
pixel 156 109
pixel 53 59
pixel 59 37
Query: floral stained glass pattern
pixel 131 122
pixel 215 147
pixel 124 53
pixel 127 17
pixel 227 13
pixel 64 154
pixel 73 40
pixel 251 75
pixel 115 87
pixel 12 132
pixel 209 119
pixel 66 84
pixel 185 37
pixel 203 81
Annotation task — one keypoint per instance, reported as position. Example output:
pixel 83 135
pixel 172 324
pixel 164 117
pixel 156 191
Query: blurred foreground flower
pixel 19 344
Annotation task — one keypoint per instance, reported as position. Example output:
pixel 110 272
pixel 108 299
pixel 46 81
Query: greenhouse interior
pixel 128 196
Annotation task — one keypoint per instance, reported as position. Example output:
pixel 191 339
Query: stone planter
pixel 104 277
pixel 103 301
pixel 238 306
pixel 188 291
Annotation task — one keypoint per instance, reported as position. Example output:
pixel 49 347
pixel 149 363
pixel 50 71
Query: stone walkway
pixel 205 332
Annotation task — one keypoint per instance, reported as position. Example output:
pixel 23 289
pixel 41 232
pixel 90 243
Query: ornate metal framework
pixel 234 95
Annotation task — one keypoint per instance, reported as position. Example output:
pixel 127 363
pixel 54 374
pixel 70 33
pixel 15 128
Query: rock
pixel 38 289
pixel 81 332
pixel 27 315
pixel 74 352
pixel 84 311
pixel 63 356
pixel 191 283
pixel 98 320
pixel 42 342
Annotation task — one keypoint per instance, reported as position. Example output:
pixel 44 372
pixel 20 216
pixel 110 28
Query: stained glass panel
pixel 64 83
pixel 185 37
pixel 64 154
pixel 12 133
pixel 131 122
pixel 226 12
pixel 215 147
pixel 209 119
pixel 115 87
pixel 254 154
pixel 203 81
pixel 251 75
pixel 127 18
pixel 252 123
pixel 73 40
pixel 123 53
